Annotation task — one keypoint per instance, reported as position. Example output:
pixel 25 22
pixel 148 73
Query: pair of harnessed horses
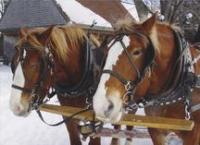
pixel 41 46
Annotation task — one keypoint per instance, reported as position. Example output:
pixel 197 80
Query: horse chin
pixel 22 114
pixel 117 118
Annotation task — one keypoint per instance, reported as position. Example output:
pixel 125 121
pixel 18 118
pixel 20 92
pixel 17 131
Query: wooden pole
pixel 128 119
pixel 107 132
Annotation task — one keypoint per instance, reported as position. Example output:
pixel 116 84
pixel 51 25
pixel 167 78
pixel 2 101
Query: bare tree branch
pixel 149 10
pixel 141 9
pixel 177 5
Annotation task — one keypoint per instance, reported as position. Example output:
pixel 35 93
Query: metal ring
pixel 127 94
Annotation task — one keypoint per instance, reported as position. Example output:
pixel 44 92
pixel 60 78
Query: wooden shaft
pixel 128 119
pixel 107 132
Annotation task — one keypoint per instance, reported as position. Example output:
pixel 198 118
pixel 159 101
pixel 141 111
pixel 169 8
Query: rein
pixel 65 120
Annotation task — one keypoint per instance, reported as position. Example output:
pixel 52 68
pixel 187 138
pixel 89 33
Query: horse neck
pixel 164 43
pixel 69 71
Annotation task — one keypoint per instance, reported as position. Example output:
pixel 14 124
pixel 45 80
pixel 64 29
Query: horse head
pixel 31 73
pixel 128 75
pixel 47 58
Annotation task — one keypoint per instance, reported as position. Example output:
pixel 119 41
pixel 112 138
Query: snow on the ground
pixel 31 130
pixel 25 131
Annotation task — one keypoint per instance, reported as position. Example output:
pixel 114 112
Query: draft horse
pixel 150 65
pixel 57 58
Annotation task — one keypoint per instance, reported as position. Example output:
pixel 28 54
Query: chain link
pixel 187 110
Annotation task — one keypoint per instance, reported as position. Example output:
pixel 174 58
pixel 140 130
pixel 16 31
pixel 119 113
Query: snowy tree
pixel 184 13
pixel 3 5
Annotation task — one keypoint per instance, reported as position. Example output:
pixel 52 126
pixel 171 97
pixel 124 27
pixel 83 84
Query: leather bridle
pixel 45 66
pixel 131 85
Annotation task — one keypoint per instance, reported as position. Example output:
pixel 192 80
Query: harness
pixel 94 60
pixel 130 85
pixel 184 82
pixel 181 88
pixel 88 83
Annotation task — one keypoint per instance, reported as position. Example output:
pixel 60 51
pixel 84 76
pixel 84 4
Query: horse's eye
pixel 33 66
pixel 136 52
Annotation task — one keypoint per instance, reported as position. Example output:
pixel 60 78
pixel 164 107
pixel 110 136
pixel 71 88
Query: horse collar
pixel 185 78
pixel 87 84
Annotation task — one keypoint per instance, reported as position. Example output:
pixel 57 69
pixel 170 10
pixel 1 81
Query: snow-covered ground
pixel 30 130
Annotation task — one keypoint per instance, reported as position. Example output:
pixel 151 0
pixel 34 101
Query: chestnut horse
pixel 143 70
pixel 52 58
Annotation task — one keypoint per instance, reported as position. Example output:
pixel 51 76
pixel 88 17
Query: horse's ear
pixel 23 32
pixel 46 34
pixel 149 23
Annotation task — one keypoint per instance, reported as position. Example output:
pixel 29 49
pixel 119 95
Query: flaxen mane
pixel 68 39
pixel 63 40
pixel 124 25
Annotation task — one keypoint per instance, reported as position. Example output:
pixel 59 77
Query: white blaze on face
pixel 100 100
pixel 15 98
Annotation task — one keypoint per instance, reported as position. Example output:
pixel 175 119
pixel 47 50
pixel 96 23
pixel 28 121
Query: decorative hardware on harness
pixel 128 99
pixel 89 128
pixel 187 110
pixel 182 87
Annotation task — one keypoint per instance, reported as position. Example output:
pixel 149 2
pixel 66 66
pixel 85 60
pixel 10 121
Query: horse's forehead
pixel 19 75
pixel 138 41
pixel 115 51
pixel 29 58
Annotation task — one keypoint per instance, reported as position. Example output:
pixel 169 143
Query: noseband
pixel 130 85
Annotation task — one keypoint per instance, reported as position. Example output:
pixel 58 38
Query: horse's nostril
pixel 111 106
pixel 17 108
pixel 108 111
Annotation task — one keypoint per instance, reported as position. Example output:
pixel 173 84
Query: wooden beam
pixel 128 119
pixel 107 132
pixel 98 29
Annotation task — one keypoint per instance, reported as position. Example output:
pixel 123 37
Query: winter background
pixel 30 130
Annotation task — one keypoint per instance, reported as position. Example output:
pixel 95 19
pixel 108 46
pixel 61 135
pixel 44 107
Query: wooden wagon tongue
pixel 128 119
